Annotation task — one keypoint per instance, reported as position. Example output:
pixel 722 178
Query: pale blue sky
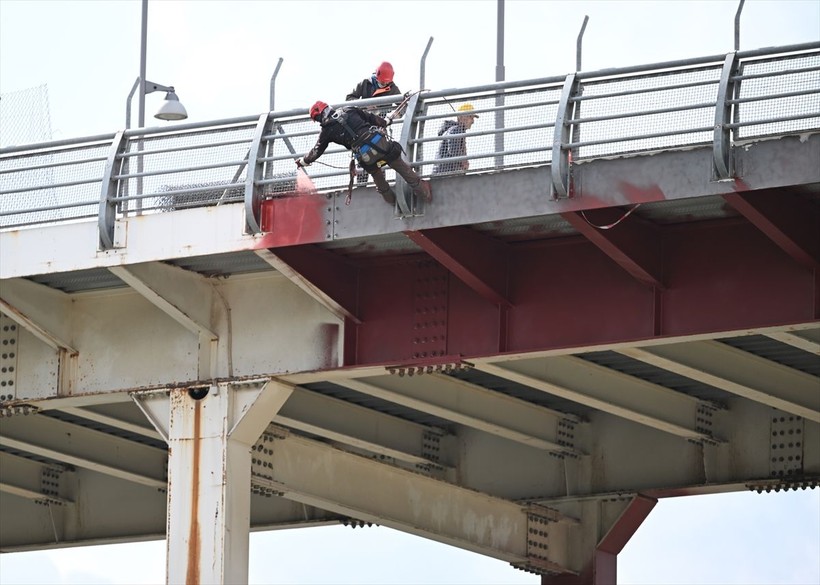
pixel 220 57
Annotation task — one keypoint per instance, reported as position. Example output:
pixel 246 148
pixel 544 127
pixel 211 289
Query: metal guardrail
pixel 720 100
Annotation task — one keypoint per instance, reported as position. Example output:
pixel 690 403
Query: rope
pixel 614 223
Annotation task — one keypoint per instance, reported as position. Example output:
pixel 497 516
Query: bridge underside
pixel 516 376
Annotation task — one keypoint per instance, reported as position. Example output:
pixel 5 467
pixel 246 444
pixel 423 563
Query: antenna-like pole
pixel 579 44
pixel 423 61
pixel 737 25
pixel 273 83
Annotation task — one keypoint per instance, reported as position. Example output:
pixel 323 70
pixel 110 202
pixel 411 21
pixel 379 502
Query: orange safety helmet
pixel 316 110
pixel 384 73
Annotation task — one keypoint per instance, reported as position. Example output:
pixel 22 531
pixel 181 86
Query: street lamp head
pixel 171 108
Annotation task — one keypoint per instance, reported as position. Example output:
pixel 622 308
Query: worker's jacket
pixel 368 88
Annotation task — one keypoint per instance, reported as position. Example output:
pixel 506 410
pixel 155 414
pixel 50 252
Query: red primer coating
pixel 289 220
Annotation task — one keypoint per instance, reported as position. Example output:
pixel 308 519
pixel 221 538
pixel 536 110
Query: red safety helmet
pixel 316 110
pixel 384 73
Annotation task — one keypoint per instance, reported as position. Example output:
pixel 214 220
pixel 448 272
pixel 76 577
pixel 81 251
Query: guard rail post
pixel 722 145
pixel 253 202
pixel 404 196
pixel 108 197
pixel 561 160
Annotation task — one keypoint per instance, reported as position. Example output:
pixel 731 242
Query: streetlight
pixel 171 108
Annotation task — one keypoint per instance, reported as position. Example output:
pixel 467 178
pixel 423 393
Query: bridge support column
pixel 602 565
pixel 210 432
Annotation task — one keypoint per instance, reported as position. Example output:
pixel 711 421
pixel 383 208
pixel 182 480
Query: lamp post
pixel 171 108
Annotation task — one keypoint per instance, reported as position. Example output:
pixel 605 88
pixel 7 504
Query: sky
pixel 220 57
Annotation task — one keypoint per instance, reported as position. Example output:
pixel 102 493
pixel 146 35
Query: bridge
pixel 618 301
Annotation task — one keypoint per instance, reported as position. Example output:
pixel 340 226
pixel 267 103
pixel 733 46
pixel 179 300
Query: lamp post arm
pixel 151 87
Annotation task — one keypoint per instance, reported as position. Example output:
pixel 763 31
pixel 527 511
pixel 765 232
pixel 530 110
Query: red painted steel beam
pixel 630 241
pixel 477 260
pixel 603 566
pixel 722 275
pixel 790 221
pixel 328 272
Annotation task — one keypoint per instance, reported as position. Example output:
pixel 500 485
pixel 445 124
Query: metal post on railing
pixel 423 62
pixel 273 84
pixel 579 43
pixel 499 76
pixel 576 128
pixel 737 25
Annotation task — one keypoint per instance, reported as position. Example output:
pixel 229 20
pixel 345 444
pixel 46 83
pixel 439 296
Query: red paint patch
pixel 295 219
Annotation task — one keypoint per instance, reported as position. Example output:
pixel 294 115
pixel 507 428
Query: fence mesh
pixel 785 80
pixel 613 115
pixel 25 117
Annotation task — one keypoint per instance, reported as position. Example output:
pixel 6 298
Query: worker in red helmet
pixel 379 84
pixel 362 132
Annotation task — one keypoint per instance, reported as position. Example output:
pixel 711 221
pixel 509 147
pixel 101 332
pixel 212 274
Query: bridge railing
pixel 720 100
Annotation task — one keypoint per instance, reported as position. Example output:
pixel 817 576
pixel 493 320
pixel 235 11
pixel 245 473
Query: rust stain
pixel 194 545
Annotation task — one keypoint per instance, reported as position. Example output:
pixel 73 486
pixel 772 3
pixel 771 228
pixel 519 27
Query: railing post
pixel 107 215
pixel 252 195
pixel 560 163
pixel 722 145
pixel 404 196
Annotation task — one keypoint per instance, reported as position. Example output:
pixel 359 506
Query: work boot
pixel 422 189
pixel 389 196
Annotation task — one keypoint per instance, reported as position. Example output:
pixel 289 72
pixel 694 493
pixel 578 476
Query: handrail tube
pixel 333 150
pixel 278 180
pixel 698 106
pixel 774 96
pixel 784 72
pixel 55 164
pixel 168 133
pixel 597 96
pixel 773 120
pixel 484 155
pixel 84 140
pixel 682 132
pixel 581 143
pixel 174 171
pixel 274 135
pixel 51 208
pixel 183 148
pixel 490 132
pixel 51 186
pixel 180 128
pixel 11 226
pixel 505 108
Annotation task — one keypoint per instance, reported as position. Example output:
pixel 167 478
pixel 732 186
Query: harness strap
pixel 350 185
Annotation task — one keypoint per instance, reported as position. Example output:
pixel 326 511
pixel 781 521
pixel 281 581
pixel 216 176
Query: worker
pixel 363 133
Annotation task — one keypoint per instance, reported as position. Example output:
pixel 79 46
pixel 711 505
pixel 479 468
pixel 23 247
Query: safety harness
pixel 367 147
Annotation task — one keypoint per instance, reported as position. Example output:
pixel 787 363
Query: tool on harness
pixel 367 147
